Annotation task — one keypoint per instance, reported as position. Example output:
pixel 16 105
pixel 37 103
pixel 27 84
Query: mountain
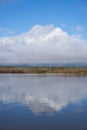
pixel 46 65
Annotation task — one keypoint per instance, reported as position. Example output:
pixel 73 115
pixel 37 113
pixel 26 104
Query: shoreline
pixel 65 71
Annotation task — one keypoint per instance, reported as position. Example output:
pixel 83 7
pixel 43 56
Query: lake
pixel 42 102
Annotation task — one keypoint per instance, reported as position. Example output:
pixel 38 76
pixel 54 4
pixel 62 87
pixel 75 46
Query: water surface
pixel 39 102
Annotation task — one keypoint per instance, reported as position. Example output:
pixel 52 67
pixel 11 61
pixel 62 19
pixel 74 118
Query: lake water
pixel 39 102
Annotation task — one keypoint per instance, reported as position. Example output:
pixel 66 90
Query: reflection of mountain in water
pixel 42 94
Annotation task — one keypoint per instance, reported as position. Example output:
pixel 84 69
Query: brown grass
pixel 46 70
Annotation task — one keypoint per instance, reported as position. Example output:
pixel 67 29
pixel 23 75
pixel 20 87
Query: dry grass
pixel 46 70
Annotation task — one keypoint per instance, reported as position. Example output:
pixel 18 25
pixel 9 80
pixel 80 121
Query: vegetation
pixel 46 70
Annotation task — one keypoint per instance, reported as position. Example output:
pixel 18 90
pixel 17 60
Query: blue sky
pixel 20 15
pixel 41 31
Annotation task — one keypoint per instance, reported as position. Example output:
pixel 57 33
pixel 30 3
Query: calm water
pixel 31 102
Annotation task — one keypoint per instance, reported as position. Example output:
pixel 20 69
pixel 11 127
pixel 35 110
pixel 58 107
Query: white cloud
pixel 64 25
pixel 5 32
pixel 43 44
pixel 79 28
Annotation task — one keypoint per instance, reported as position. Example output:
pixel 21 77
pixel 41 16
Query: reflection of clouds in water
pixel 42 94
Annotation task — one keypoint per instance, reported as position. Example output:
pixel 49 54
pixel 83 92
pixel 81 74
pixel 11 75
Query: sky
pixel 43 31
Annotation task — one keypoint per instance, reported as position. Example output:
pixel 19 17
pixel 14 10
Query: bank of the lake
pixel 78 71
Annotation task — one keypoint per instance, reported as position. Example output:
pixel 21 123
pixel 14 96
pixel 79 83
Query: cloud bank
pixel 43 44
